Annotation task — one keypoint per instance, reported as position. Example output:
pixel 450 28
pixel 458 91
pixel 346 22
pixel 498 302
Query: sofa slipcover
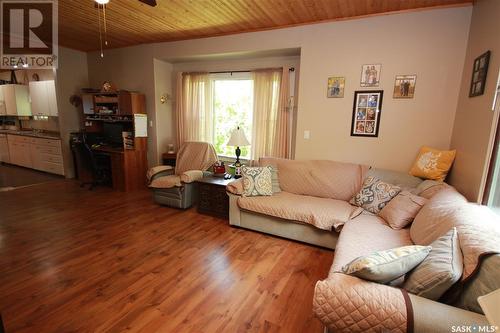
pixel 318 178
pixel 345 303
pixel 366 234
pixel 323 213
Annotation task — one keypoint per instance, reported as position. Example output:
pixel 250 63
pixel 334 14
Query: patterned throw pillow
pixel 433 164
pixel 386 266
pixel 439 271
pixel 257 181
pixel 374 195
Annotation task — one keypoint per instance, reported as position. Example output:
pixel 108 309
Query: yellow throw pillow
pixel 433 164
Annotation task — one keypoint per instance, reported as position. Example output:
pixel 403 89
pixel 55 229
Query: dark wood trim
pixel 410 323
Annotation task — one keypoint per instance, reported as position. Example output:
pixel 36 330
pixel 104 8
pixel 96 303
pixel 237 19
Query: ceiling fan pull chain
pixel 105 25
pixel 100 32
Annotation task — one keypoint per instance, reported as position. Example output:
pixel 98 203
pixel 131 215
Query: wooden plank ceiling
pixel 131 22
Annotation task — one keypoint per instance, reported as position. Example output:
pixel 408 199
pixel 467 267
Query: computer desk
pixel 128 167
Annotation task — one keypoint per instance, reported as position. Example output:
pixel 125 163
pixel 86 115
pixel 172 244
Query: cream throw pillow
pixel 257 181
pixel 439 271
pixel 386 266
pixel 401 210
pixel 374 195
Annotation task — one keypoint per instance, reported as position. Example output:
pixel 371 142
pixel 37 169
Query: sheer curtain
pixel 271 116
pixel 194 109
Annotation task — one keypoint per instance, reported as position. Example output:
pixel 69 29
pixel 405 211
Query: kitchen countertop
pixel 34 134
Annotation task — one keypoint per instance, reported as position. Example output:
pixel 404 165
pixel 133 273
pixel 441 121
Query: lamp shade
pixel 238 138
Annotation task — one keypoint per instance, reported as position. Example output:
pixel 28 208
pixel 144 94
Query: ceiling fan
pixel 101 7
pixel 151 3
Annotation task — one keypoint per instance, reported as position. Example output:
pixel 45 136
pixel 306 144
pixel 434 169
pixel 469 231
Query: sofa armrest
pixel 346 303
pixel 234 209
pixel 235 187
pixel 434 317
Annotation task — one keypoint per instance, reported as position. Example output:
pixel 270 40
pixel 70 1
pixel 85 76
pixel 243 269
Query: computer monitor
pixel 112 133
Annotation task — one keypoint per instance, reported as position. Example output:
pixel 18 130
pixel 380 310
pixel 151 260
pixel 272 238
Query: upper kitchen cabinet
pixel 16 98
pixel 43 98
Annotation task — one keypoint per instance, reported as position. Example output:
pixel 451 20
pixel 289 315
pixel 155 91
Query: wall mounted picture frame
pixel 366 113
pixel 479 73
pixel 336 86
pixel 404 86
pixel 370 75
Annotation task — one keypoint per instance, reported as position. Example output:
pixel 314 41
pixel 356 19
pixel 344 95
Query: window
pixel 232 107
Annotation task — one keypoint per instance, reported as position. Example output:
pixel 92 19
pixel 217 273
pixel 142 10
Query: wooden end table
pixel 212 196
pixel 169 159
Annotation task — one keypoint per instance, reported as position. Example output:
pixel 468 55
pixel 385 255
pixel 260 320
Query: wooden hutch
pixel 128 162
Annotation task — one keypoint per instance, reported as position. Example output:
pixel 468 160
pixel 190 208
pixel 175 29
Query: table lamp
pixel 238 139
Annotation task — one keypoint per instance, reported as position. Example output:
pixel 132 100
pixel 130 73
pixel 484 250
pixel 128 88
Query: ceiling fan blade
pixel 152 3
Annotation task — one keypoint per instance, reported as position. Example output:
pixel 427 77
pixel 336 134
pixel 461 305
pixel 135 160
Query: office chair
pixel 97 165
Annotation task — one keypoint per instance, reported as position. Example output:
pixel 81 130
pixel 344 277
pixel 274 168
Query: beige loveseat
pixel 349 304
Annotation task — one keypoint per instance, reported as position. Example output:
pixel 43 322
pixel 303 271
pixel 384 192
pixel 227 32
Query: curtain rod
pixel 291 69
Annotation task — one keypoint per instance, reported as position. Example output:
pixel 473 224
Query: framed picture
pixel 404 86
pixel 336 85
pixel 366 113
pixel 370 75
pixel 479 72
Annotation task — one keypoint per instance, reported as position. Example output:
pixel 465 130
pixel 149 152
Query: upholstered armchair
pixel 177 187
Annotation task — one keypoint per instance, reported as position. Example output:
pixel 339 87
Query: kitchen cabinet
pixel 4 149
pixel 43 98
pixel 16 97
pixel 46 155
pixel 3 110
pixel 19 150
pixel 35 153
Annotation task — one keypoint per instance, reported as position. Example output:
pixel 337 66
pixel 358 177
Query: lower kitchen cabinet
pixel 36 153
pixel 4 149
pixel 19 151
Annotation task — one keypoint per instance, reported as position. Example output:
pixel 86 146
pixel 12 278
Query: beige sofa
pixel 313 203
pixel 349 304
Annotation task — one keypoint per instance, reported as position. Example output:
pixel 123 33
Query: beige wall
pixel 430 44
pixel 71 77
pixel 129 68
pixel 164 112
pixel 475 121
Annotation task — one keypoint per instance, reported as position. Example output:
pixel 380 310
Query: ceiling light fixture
pixel 101 6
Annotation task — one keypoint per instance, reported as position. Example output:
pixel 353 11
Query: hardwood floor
pixel 74 260
pixel 14 176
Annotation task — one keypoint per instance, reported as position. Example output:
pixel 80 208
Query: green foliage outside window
pixel 233 106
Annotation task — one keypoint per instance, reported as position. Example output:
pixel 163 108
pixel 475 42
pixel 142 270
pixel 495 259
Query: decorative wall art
pixel 370 75
pixel 404 86
pixel 336 85
pixel 366 113
pixel 479 72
